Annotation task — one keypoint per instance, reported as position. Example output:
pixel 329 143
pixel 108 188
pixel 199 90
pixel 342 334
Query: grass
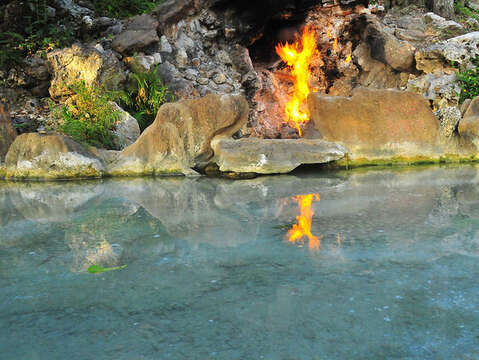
pixel 90 117
pixel 124 8
pixel 148 94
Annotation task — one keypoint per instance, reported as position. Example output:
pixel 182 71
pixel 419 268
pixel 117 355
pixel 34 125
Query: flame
pixel 299 61
pixel 303 227
pixel 335 45
pixel 348 59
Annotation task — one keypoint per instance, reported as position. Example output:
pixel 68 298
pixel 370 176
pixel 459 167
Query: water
pixel 210 275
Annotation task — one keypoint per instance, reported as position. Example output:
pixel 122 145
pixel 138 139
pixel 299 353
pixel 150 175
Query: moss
pixel 347 163
pixel 43 175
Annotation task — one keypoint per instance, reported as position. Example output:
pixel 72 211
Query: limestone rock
pixel 126 130
pixel 440 23
pixel 139 33
pixel 449 118
pixel 52 156
pixel 7 134
pixel 385 47
pixel 440 88
pixel 377 124
pixel 273 156
pixel 440 56
pixel 469 125
pixel 180 138
pixel 81 63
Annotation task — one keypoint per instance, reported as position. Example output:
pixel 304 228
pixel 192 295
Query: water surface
pixel 210 275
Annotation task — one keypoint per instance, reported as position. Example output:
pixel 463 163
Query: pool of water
pixel 210 274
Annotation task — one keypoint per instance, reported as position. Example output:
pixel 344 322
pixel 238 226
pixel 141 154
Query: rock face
pixel 440 88
pixel 48 157
pixel 140 32
pixel 126 131
pixel 273 156
pixel 385 47
pixel 81 63
pixel 469 125
pixel 180 138
pixel 7 133
pixel 377 124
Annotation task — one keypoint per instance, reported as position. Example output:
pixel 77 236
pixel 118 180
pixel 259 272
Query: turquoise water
pixel 210 276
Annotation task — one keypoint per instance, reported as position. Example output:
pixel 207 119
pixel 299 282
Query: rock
pixel 180 138
pixel 440 23
pixel 441 56
pixel 81 63
pixel 469 125
pixel 441 89
pixel 386 48
pixel 7 133
pixel 377 124
pixel 165 46
pixel 272 156
pixel 172 11
pixel 37 68
pixel 465 106
pixel 69 7
pixel 181 58
pixel 140 32
pixel 126 130
pixel 50 156
pixel 449 118
pixel 142 63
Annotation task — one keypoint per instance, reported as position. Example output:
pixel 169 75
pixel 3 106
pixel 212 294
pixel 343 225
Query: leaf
pixel 96 269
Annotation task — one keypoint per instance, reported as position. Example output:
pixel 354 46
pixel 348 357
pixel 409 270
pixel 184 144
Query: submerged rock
pixel 50 156
pixel 377 124
pixel 273 156
pixel 180 138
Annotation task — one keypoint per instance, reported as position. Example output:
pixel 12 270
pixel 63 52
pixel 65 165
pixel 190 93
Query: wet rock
pixel 50 156
pixel 273 156
pixel 440 88
pixel 139 32
pixel 449 118
pixel 377 124
pixel 180 137
pixel 126 130
pixel 7 133
pixel 82 63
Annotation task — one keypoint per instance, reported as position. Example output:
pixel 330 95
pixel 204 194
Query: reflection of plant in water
pixel 95 269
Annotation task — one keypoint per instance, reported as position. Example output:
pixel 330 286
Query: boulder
pixel 50 156
pixel 139 32
pixel 441 89
pixel 82 63
pixel 441 56
pixel 469 125
pixel 441 23
pixel 385 47
pixel 180 137
pixel 7 134
pixel 126 130
pixel 377 124
pixel 273 156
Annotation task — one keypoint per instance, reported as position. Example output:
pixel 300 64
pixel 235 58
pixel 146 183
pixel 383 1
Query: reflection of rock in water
pixel 445 208
pixel 54 202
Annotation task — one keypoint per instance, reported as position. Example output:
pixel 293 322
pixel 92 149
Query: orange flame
pixel 335 45
pixel 303 227
pixel 299 61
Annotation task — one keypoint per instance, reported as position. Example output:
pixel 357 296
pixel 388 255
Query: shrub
pixel 124 8
pixel 148 95
pixel 469 82
pixel 90 116
pixel 10 54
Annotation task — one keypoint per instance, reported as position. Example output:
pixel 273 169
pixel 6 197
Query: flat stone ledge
pixel 273 156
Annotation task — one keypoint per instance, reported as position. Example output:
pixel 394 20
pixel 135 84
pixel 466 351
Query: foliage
pixel 39 34
pixel 469 82
pixel 146 98
pixel 90 116
pixel 96 269
pixel 124 8
pixel 464 13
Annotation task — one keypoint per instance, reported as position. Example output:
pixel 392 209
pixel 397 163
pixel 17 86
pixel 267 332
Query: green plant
pixel 124 8
pixel 10 54
pixel 96 269
pixel 148 95
pixel 469 82
pixel 90 117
